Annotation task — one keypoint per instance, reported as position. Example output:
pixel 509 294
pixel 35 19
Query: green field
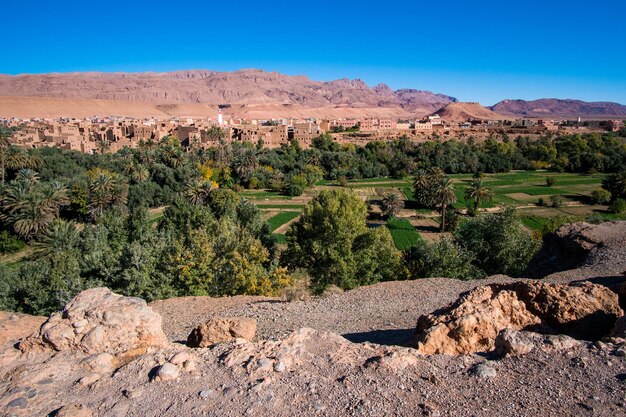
pixel 403 233
pixel 278 220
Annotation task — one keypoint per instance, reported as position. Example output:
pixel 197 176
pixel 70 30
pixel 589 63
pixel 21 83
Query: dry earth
pixel 312 372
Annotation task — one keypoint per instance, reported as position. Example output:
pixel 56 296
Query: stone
pixel 112 324
pixel 206 393
pixel 220 330
pixel 472 323
pixel 484 371
pixel 279 367
pixel 74 410
pixel 189 366
pixel 180 358
pixel 19 402
pixel 513 342
pixel 132 393
pixel 167 372
pixel 89 379
pixel 100 363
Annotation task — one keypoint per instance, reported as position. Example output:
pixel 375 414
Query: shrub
pixel 9 243
pixel 444 258
pixel 550 181
pixel 618 206
pixel 499 243
pixel 556 201
pixel 600 196
pixel 541 202
pixel 343 181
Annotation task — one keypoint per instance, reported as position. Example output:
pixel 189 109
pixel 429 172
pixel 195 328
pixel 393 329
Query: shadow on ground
pixel 401 337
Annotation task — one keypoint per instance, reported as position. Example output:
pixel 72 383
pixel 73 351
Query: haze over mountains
pixel 249 93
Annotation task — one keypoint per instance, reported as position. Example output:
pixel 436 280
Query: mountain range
pixel 244 93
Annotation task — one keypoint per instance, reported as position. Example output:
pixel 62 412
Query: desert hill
pixel 244 87
pixel 46 107
pixel 556 108
pixel 461 112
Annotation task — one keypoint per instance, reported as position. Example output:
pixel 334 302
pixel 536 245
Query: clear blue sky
pixel 475 50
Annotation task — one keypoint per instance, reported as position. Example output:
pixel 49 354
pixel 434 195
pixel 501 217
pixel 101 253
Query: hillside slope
pixel 461 112
pixel 244 87
pixel 557 108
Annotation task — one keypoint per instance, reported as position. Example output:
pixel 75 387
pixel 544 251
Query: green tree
pixel 444 196
pixel 321 240
pixel 499 243
pixel 477 192
pixel 444 258
pixel 615 184
pixel 391 204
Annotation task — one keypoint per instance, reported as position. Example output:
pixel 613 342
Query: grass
pixel 278 220
pixel 280 206
pixel 534 222
pixel 403 233
pixel 281 239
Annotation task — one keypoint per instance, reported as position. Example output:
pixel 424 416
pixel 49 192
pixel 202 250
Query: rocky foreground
pixel 498 346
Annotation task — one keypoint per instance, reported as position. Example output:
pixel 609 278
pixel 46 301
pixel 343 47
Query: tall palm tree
pixel 55 196
pixel 140 174
pixel 106 190
pixel 33 159
pixel 27 174
pixel 14 158
pixel 33 216
pixel 478 192
pixel 59 236
pixel 391 204
pixel 5 134
pixel 103 146
pixel 198 192
pixel 444 196
pixel 245 163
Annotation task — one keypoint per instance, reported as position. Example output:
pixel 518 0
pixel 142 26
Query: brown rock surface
pixel 99 321
pixel 471 324
pixel 222 329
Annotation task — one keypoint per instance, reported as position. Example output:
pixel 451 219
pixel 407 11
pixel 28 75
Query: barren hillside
pixel 201 87
pixel 461 112
pixel 556 108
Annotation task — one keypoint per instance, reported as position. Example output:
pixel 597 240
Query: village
pixel 112 133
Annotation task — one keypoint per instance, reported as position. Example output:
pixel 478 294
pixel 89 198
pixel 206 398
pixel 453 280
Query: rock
pixel 219 330
pixel 100 363
pixel 180 358
pixel 132 393
pixel 166 372
pixel 19 402
pixel 115 324
pixel 264 364
pixel 74 410
pixel 472 323
pixel 513 342
pixel 89 379
pixel 279 367
pixel 189 366
pixel 206 393
pixel 483 370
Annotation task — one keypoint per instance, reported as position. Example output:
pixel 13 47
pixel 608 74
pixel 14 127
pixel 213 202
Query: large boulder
pixel 220 330
pixel 471 324
pixel 99 321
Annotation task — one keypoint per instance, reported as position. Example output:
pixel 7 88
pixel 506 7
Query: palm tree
pixel 103 146
pixel 478 192
pixel 424 185
pixel 245 163
pixel 59 236
pixel 33 159
pixel 55 196
pixel 15 158
pixel 106 190
pixel 140 174
pixel 33 216
pixel 27 174
pixel 5 134
pixel 391 204
pixel 198 192
pixel 444 196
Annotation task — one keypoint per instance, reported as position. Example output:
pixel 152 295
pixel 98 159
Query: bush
pixel 541 202
pixel 556 201
pixel 444 258
pixel 618 206
pixel 499 243
pixel 550 181
pixel 600 196
pixel 9 243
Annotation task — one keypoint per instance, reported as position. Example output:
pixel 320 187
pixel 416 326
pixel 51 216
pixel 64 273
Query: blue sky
pixel 474 50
